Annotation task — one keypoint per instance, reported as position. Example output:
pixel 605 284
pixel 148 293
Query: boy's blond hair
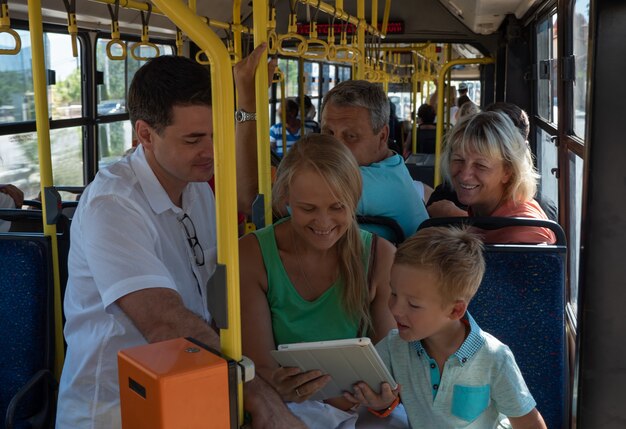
pixel 454 254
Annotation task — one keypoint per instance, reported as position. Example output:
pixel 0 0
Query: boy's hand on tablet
pixel 364 395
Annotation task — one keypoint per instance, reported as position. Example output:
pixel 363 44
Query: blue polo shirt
pixel 479 386
pixel 388 191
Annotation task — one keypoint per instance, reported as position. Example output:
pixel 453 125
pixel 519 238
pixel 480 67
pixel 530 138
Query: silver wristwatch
pixel 243 116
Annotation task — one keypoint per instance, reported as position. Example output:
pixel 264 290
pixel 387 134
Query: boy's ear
pixel 458 309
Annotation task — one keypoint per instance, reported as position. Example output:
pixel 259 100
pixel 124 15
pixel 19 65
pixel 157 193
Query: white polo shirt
pixel 480 383
pixel 126 236
pixel 6 202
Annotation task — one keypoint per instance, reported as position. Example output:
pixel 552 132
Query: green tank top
pixel 295 319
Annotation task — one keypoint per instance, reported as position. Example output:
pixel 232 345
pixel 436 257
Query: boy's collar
pixel 470 346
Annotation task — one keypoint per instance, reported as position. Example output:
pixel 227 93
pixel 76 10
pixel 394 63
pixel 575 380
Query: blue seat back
pixel 521 301
pixel 25 317
pixel 386 227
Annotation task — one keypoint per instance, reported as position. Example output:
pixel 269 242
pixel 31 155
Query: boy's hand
pixel 364 395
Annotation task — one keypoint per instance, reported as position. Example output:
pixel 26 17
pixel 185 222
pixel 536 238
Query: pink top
pixel 519 234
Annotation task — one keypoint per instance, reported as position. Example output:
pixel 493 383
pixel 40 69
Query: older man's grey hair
pixel 361 93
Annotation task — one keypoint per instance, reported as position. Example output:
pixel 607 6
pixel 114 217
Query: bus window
pixel 65 95
pixel 290 70
pixel 116 76
pixel 546 69
pixel 114 139
pixel 580 29
pixel 16 80
pixel 20 159
pixel 547 160
pixel 575 210
pixel 115 136
pixel 329 77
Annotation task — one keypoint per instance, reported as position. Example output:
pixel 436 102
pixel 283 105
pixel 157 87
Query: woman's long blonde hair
pixel 336 165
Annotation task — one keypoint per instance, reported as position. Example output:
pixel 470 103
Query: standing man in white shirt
pixel 143 247
pixel 10 197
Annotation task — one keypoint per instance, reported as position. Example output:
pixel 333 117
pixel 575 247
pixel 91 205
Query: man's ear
pixel 384 135
pixel 458 309
pixel 143 131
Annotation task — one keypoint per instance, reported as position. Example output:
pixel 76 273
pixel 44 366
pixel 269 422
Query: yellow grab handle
pixel 5 27
pixel 204 61
pixel 116 42
pixel 16 38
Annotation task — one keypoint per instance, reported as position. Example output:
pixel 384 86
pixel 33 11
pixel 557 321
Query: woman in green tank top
pixel 308 277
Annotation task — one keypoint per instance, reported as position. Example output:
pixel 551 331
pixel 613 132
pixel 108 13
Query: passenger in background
pixel 10 197
pixel 426 131
pixel 490 166
pixel 143 246
pixel 356 112
pixel 395 130
pixel 314 275
pixel 463 92
pixel 467 108
pixel 293 128
pixel 309 117
pixel 453 374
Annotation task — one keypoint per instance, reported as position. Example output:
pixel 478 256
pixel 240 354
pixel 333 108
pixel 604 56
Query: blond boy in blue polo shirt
pixel 451 373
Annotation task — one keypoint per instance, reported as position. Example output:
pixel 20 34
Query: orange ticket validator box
pixel 177 384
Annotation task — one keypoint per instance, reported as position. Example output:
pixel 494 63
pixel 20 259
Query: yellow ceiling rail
pixel 35 26
pixel 138 5
pixel 440 90
pixel 225 165
pixel 338 12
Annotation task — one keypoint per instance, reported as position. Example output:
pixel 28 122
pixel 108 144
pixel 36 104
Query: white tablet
pixel 346 361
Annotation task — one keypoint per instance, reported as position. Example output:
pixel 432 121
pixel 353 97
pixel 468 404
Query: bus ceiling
pixel 473 22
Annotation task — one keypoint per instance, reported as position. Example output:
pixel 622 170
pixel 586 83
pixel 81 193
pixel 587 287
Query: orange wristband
pixel 384 413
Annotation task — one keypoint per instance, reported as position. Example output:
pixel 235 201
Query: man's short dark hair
pixel 426 113
pixel 164 82
pixel 515 113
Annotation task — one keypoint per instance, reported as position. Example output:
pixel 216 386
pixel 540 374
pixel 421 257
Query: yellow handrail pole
pixel 225 180
pixel 360 38
pixel 414 81
pixel 440 84
pixel 237 33
pixel 374 22
pixel 301 83
pixel 260 10
pixel 383 29
pixel 35 26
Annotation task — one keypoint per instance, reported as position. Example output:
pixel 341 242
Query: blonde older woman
pixel 490 166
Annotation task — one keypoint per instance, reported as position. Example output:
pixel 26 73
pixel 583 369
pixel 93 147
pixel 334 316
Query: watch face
pixel 239 116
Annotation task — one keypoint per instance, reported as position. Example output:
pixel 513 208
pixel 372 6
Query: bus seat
pixel 26 331
pixel 384 226
pixel 25 220
pixel 421 167
pixel 521 301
